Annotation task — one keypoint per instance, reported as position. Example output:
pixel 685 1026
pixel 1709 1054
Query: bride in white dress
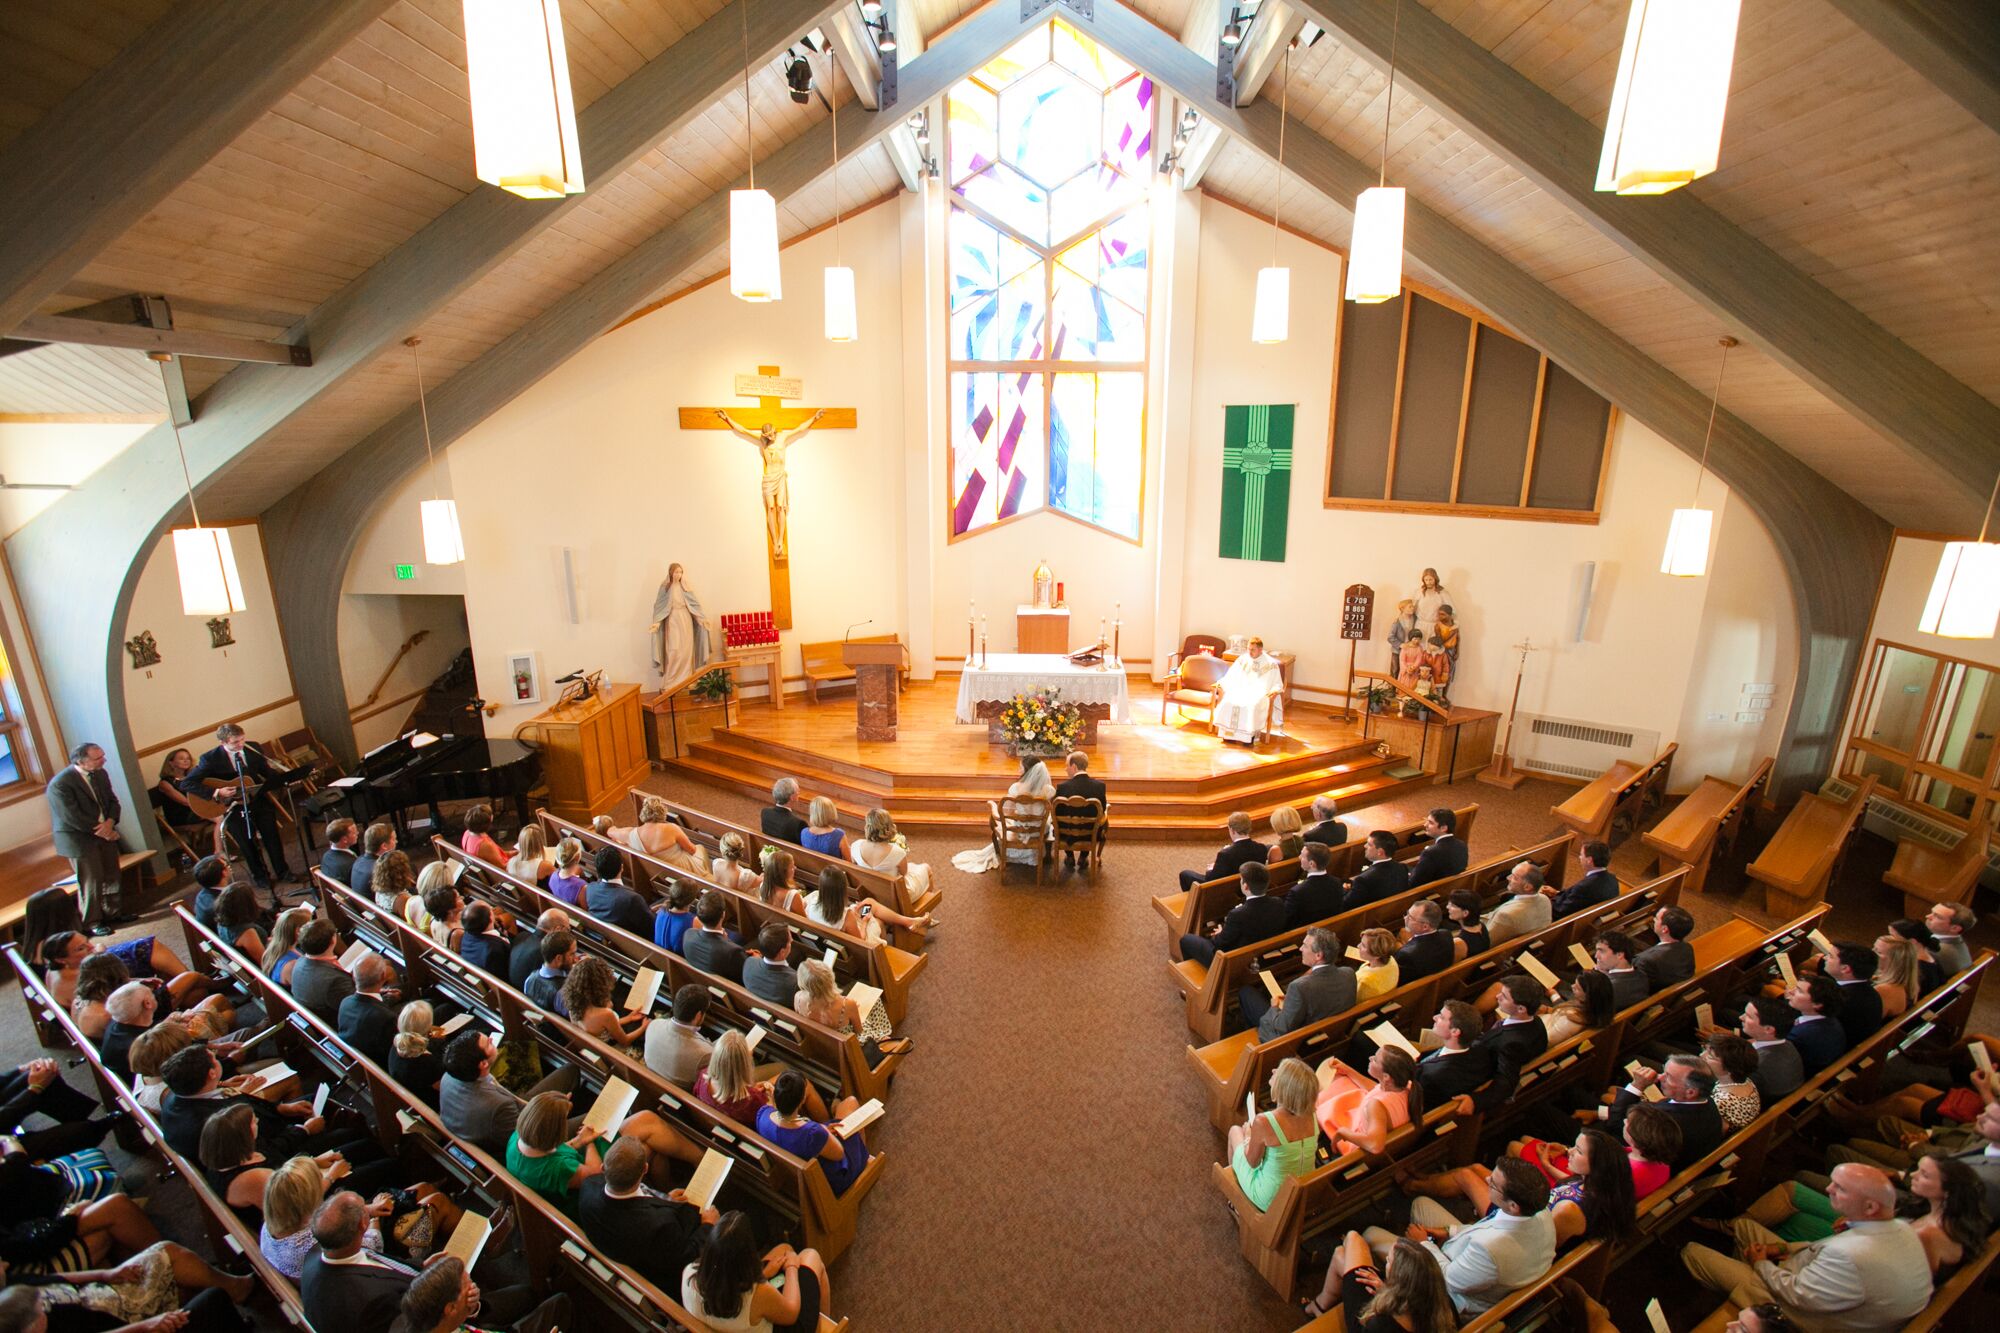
pixel 1035 785
pixel 1251 679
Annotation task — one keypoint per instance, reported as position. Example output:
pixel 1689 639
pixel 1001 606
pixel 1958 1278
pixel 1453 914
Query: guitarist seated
pixel 237 772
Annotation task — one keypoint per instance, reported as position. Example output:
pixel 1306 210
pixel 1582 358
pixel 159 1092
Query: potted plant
pixel 716 686
pixel 1378 697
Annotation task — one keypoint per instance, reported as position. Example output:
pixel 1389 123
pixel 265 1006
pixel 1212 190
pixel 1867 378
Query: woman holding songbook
pixel 730 1290
pixel 819 999
pixel 1732 1060
pixel 587 997
pixel 553 1162
pixel 1590 1005
pixel 1378 973
pixel 1361 1111
pixel 1268 1149
pixel 786 1123
pixel 882 848
pixel 728 1083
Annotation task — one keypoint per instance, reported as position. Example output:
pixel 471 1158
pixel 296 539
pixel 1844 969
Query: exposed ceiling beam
pixel 312 532
pixel 1263 47
pixel 130 501
pixel 113 149
pixel 905 156
pixel 854 48
pixel 1204 146
pixel 1752 290
pixel 1953 43
pixel 1831 545
pixel 146 338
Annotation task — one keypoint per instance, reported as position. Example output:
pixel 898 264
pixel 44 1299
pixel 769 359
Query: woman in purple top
pixel 566 881
pixel 785 1123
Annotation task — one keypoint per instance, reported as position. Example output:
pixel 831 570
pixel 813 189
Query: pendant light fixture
pixel 1375 254
pixel 1687 536
pixel 203 557
pixel 1965 596
pixel 443 543
pixel 523 119
pixel 1271 315
pixel 753 215
pixel 1664 128
pixel 842 320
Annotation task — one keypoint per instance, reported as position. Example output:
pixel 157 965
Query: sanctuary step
pixel 1165 781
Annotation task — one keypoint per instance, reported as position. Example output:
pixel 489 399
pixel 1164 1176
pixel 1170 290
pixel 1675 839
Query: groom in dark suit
pixel 1079 783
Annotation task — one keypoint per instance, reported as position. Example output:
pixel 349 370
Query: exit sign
pixel 406 572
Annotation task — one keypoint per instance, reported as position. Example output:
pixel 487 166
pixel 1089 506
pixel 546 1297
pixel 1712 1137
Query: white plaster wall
pixel 394 536
pixel 591 458
pixel 54 451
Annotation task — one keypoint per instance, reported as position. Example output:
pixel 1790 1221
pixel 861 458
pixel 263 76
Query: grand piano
pixel 421 769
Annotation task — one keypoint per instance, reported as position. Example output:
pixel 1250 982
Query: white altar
pixel 1008 674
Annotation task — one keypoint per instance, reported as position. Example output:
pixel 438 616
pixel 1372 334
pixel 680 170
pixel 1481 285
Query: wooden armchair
pixel 1017 824
pixel 1080 825
pixel 1195 683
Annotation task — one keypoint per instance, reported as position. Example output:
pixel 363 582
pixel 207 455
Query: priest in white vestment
pixel 1251 680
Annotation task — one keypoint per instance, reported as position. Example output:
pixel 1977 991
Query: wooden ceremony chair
pixel 1080 826
pixel 1194 644
pixel 1196 683
pixel 1018 823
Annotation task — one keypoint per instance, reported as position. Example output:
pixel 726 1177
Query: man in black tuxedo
pixel 376 842
pixel 1258 917
pixel 707 945
pixel 1817 1031
pixel 1079 783
pixel 1613 951
pixel 1517 1038
pixel 1316 896
pixel 1428 950
pixel 1460 1064
pixel 1671 961
pixel 194 1093
pixel 1688 1085
pixel 238 772
pixel 337 861
pixel 657 1234
pixel 366 1020
pixel 1445 855
pixel 1860 1007
pixel 526 954
pixel 777 819
pixel 1598 884
pixel 1241 850
pixel 1381 875
pixel 609 900
pixel 1325 827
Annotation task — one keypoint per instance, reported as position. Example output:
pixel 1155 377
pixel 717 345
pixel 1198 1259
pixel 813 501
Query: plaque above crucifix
pixel 772 428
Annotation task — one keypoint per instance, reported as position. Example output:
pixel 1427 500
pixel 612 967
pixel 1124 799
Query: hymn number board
pixel 1357 612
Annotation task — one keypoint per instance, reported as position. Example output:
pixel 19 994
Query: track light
pixel 885 41
pixel 1232 35
pixel 798 79
pixel 871 10
pixel 1190 119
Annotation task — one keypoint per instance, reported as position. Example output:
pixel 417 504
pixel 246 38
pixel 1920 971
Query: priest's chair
pixel 1196 643
pixel 1195 683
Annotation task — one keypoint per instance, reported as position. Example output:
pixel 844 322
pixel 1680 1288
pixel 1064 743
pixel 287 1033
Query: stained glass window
pixel 1049 151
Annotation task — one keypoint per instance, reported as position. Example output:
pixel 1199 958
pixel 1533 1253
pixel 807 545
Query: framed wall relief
pixel 144 650
pixel 219 633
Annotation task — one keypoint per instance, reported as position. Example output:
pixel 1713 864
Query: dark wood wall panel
pixel 1570 451
pixel 1371 338
pixel 1433 387
pixel 1504 371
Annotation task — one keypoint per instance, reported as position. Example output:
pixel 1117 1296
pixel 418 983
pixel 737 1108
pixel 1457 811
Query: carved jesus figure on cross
pixel 777 488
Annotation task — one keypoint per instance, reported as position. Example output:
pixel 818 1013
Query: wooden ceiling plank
pixel 146 121
pixel 1745 284
pixel 1955 46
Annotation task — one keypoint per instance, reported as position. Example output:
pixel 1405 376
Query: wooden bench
pixel 1800 859
pixel 1928 875
pixel 33 866
pixel 883 965
pixel 1193 911
pixel 1705 824
pixel 1616 798
pixel 821 662
pixel 833 1060
pixel 1210 989
pixel 1529 1307
pixel 791 1188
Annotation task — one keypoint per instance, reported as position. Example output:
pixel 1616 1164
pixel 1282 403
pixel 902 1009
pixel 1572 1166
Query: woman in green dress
pixel 1279 1143
pixel 555 1167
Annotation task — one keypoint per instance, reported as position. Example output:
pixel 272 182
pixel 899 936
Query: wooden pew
pixel 883 965
pixel 1799 861
pixel 1705 824
pixel 1618 797
pixel 833 1060
pixel 1529 1307
pixel 790 1187
pixel 1211 989
pixel 34 866
pixel 707 830
pixel 558 1254
pixel 1929 875
pixel 1235 1065
pixel 1191 912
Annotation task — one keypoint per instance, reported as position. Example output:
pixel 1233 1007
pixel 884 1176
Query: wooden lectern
pixel 875 667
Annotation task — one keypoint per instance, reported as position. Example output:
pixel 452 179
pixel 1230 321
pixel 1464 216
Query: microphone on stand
pixel 855 626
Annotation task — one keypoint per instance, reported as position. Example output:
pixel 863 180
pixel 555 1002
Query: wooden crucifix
pixel 763 426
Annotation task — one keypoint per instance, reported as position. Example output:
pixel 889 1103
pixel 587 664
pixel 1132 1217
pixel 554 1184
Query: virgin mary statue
pixel 681 635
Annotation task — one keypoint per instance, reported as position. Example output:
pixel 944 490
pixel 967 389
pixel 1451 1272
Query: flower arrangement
pixel 1042 721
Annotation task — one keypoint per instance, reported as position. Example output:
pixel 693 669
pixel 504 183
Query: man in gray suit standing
pixel 83 814
pixel 1324 990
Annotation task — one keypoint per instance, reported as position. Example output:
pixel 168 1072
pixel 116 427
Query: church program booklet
pixel 273 1077
pixel 1982 1057
pixel 355 953
pixel 859 1118
pixel 1704 1016
pixel 753 1036
pixel 1534 968
pixel 319 1098
pixel 1582 956
pixel 1385 1034
pixel 1270 980
pixel 1820 942
pixel 706 1182
pixel 1785 969
pixel 611 1107
pixel 1657 1317
pixel 832 960
pixel 645 990
pixel 865 996
pixel 1249 1108
pixel 468 1238
pixel 449 1026
pixel 1356 954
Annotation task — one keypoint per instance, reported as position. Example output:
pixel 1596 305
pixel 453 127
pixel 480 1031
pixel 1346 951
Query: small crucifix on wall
pixel 765 427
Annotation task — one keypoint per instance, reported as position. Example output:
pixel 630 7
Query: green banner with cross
pixel 1256 480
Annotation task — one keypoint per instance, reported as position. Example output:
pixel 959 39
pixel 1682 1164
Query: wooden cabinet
pixel 592 753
